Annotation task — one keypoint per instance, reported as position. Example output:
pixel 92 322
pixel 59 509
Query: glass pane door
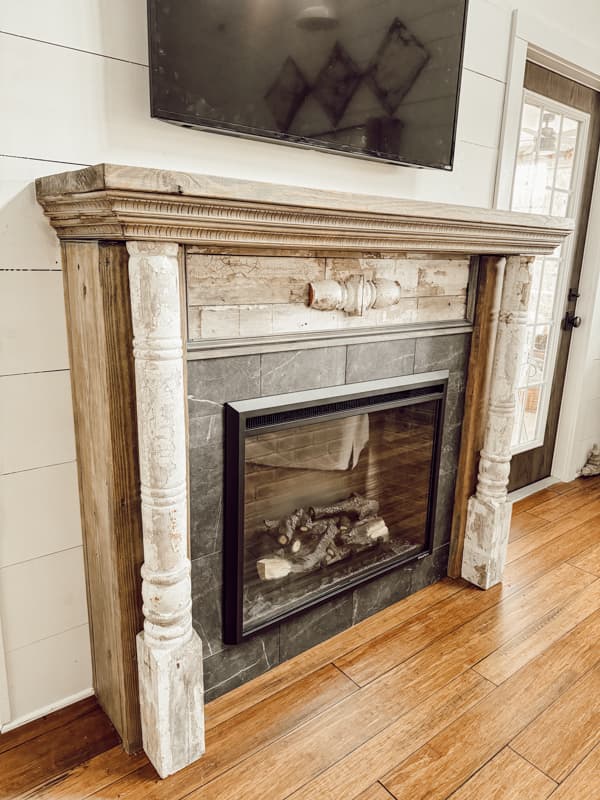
pixel 547 180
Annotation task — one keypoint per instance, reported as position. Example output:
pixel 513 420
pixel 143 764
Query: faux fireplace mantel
pixel 125 233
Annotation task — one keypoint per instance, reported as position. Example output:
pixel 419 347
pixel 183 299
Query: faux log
pixel 321 537
pixel 356 505
pixel 366 533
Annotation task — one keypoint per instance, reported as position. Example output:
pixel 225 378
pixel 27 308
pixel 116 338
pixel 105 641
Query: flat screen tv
pixel 376 79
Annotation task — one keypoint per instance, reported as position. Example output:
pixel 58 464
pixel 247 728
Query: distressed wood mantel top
pixel 114 202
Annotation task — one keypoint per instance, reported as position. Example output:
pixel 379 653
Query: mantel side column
pixel 489 513
pixel 169 650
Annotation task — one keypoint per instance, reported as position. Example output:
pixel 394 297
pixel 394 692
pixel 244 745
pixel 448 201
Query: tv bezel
pixel 192 121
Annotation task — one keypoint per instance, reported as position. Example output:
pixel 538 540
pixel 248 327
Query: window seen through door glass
pixel 543 184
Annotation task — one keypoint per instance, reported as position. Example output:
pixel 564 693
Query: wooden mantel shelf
pixel 125 233
pixel 130 203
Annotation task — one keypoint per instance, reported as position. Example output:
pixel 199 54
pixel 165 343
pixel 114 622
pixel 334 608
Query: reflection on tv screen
pixel 373 79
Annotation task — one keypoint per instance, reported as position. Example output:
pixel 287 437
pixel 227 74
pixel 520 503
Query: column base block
pixel 172 704
pixel 486 539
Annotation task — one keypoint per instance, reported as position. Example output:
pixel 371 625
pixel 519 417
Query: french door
pixel 554 172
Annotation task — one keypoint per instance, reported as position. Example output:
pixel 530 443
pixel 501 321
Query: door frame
pixel 533 40
pixel 5 712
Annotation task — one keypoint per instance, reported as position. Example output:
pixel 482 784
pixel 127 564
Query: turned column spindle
pixel 489 513
pixel 169 650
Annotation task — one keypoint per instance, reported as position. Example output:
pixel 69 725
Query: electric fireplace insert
pixel 326 489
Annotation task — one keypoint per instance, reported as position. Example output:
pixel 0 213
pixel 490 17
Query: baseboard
pixel 41 712
pixel 525 491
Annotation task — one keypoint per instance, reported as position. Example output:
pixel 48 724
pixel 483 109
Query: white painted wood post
pixel 488 512
pixel 169 650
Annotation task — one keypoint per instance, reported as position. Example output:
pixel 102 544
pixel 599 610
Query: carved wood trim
pixel 130 203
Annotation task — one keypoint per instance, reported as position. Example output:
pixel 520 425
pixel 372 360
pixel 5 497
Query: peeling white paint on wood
pixel 169 650
pixel 489 512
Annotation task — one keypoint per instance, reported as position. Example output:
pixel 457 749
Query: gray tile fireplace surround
pixel 212 382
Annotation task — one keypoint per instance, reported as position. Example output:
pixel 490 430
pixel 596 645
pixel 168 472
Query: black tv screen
pixel 372 78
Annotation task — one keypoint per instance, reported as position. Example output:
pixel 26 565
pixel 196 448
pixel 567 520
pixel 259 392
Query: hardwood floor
pixel 451 693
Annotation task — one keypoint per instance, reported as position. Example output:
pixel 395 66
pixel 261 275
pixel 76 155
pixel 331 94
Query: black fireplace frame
pixel 246 418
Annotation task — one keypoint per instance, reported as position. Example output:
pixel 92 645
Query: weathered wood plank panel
pixel 214 280
pixel 235 295
pixel 101 357
pixel 424 277
pixel 491 275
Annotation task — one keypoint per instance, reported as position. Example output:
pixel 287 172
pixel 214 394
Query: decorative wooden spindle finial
pixel 169 650
pixel 489 513
pixel 355 296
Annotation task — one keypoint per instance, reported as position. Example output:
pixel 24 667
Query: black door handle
pixel 571 321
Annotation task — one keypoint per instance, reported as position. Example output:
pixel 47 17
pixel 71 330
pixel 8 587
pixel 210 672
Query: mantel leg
pixel 489 513
pixel 169 650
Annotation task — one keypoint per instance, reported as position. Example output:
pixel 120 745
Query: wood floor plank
pixel 582 783
pixel 589 560
pixel 506 777
pixel 241 737
pixel 566 732
pixel 549 531
pixel 90 776
pixel 47 723
pixel 249 694
pixel 563 488
pixel 382 653
pixel 454 755
pixel 524 524
pixel 396 742
pixel 544 558
pixel 533 500
pixel 375 792
pixel 298 757
pixel 278 771
pixel 560 505
pixel 53 753
pixel 536 638
pixel 466 608
pixel 434 723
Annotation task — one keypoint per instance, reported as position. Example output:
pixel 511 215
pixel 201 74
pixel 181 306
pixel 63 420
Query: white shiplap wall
pixel 74 91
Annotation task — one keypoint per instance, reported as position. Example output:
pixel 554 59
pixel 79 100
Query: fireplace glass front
pixel 326 489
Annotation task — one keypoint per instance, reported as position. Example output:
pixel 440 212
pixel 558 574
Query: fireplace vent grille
pixel 309 412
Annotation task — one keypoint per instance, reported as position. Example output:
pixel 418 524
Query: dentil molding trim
pixel 131 203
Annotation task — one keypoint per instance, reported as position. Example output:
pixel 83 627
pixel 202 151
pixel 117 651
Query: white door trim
pixel 5 712
pixel 568 457
pixel 553 48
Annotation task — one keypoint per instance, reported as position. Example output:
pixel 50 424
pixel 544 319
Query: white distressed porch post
pixel 488 512
pixel 169 650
